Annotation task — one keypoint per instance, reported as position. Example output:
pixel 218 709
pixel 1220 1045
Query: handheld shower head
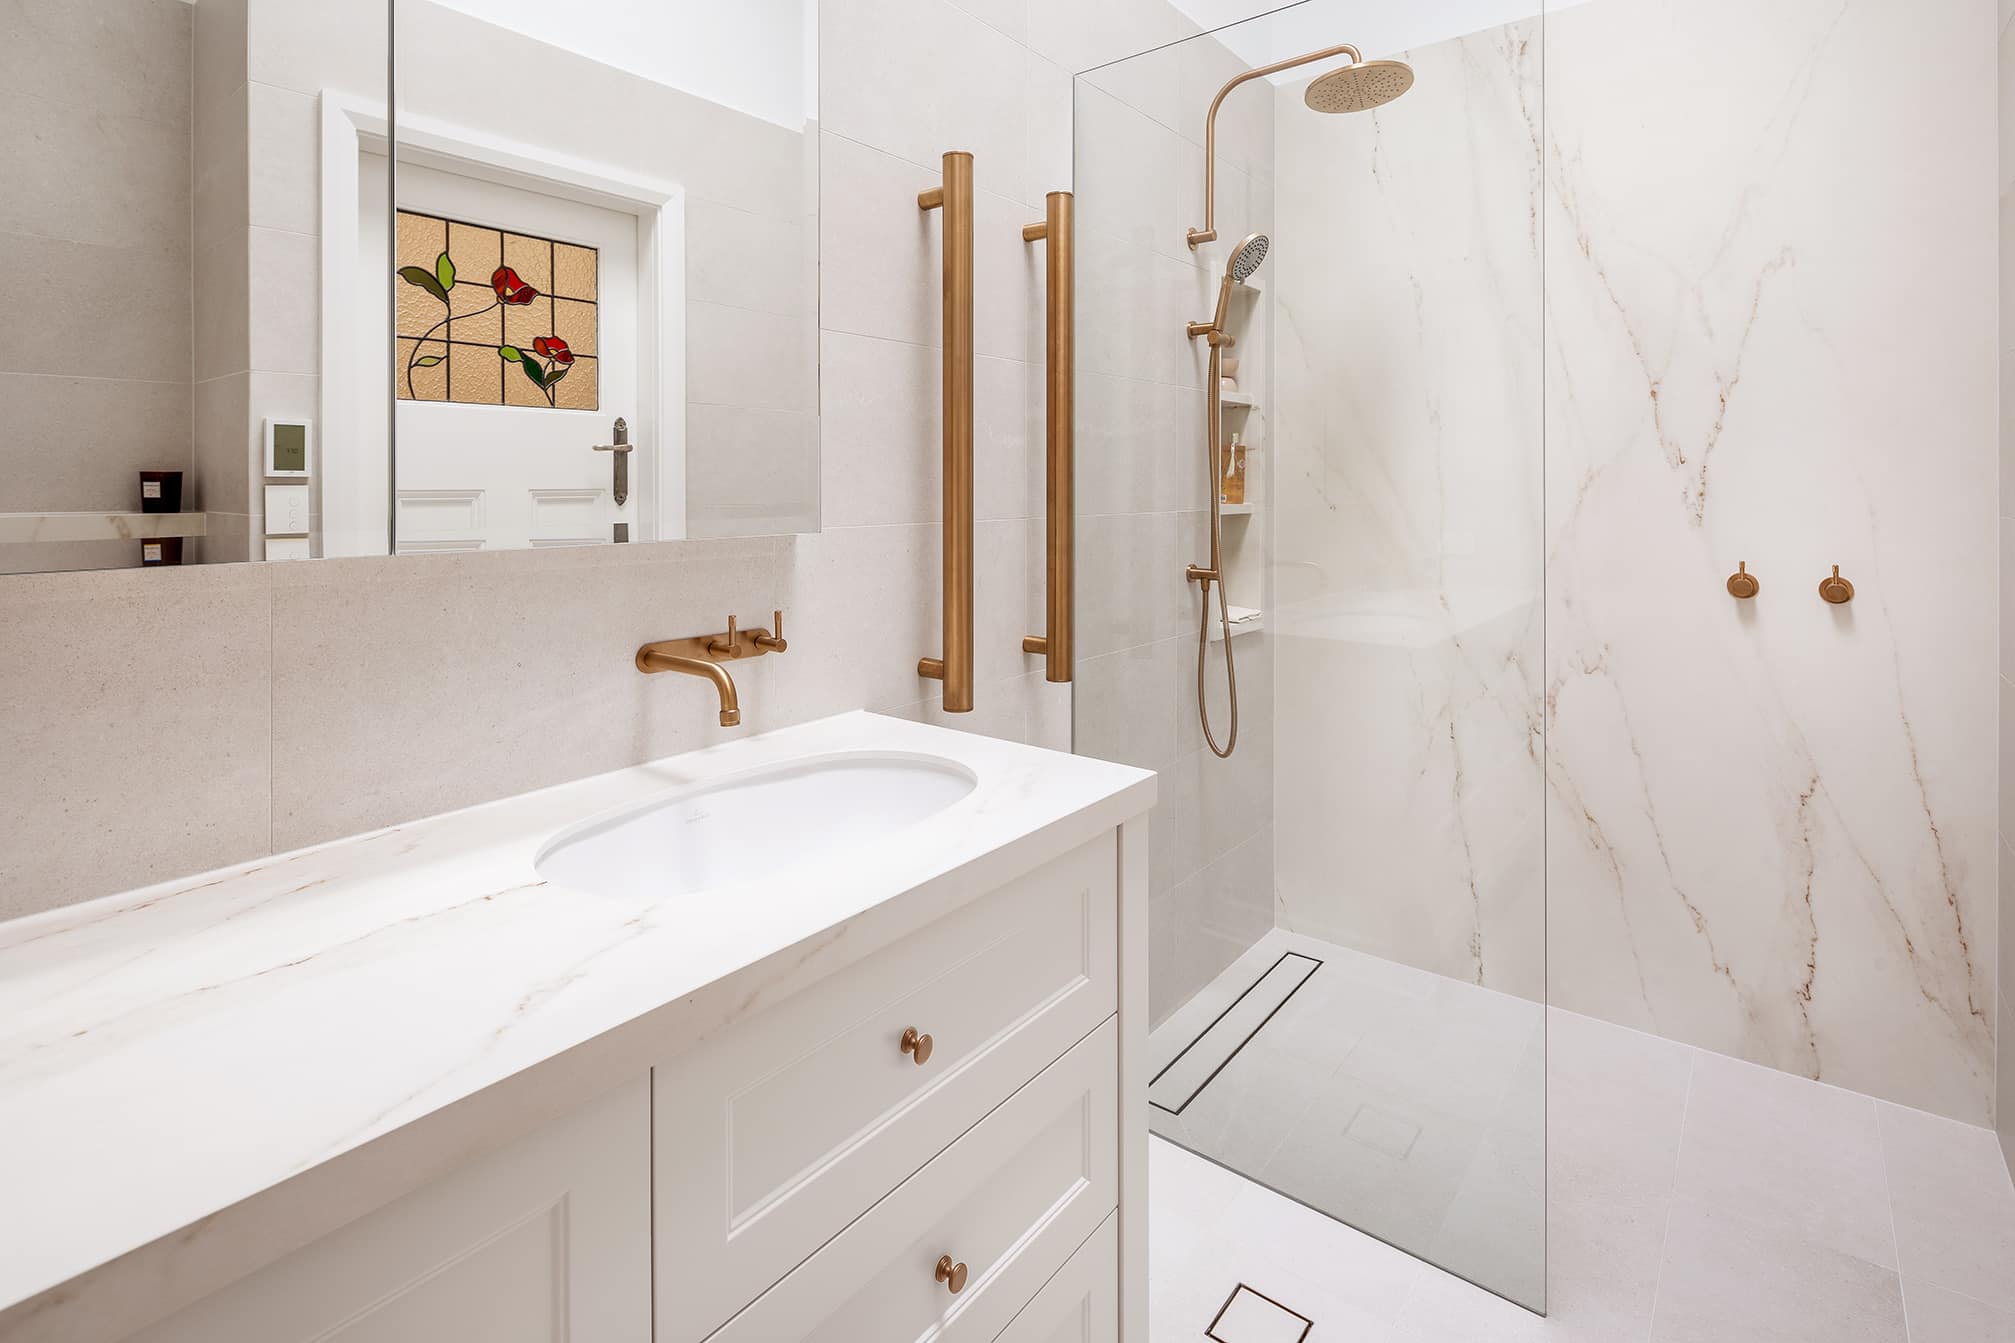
pixel 1249 257
pixel 1242 265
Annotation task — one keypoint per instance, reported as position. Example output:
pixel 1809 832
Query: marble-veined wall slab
pixel 1769 334
pixel 1771 317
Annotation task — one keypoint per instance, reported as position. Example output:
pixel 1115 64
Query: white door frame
pixel 356 496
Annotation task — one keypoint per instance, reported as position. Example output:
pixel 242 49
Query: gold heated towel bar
pixel 955 198
pixel 1059 229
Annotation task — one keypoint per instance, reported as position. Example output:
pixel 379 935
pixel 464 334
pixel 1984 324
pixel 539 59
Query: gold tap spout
pixel 654 658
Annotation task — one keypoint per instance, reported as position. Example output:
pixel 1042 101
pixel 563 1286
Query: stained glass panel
pixel 494 318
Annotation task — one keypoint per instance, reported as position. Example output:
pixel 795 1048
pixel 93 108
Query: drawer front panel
pixel 776 1135
pixel 1081 1303
pixel 1011 1201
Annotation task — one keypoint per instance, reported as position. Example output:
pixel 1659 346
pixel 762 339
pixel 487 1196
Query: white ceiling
pixel 1376 27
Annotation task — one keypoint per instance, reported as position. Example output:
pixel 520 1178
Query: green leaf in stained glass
pixel 511 353
pixel 428 361
pixel 534 372
pixel 444 271
pixel 424 279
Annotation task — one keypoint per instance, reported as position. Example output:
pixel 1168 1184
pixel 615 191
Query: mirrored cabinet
pixel 310 280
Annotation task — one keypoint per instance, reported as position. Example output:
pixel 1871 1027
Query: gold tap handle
pixel 727 647
pixel 772 640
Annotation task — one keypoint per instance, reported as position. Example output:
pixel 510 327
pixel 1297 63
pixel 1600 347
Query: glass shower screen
pixel 1348 926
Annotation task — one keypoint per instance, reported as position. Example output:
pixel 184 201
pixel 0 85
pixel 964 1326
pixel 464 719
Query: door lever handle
pixel 622 447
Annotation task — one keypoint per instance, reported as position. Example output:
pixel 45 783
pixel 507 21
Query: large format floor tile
pixel 1687 1196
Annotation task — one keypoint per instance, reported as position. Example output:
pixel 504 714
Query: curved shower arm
pixel 1208 233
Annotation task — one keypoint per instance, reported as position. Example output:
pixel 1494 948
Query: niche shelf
pixel 1235 510
pixel 1244 620
pixel 1235 400
pixel 24 528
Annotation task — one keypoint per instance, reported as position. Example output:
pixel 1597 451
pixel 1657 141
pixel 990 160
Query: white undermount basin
pixel 748 826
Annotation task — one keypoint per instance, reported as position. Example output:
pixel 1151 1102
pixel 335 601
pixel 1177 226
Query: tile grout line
pixel 1672 1196
pixel 1889 1202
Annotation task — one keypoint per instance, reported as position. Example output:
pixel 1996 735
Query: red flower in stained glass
pixel 510 289
pixel 553 348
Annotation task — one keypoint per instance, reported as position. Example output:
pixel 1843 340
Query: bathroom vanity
pixel 835 1033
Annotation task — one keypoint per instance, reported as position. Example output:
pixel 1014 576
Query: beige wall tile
pixel 284 148
pixel 751 472
pixel 70 54
pixel 232 538
pixel 747 260
pixel 93 178
pixel 78 443
pixel 960 87
pixel 134 722
pixel 220 168
pixel 739 357
pixel 221 307
pixel 95 311
pixel 408 686
pixel 286 290
pixel 223 477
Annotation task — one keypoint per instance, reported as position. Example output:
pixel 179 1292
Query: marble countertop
pixel 198 1076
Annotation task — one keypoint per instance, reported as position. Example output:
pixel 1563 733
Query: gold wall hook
pixel 1742 583
pixel 1836 589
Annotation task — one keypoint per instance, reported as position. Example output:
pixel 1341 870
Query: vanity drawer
pixel 771 1138
pixel 1011 1202
pixel 1081 1303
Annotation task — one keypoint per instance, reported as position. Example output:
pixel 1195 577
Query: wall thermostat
pixel 287 449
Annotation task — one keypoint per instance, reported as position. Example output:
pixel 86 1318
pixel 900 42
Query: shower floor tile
pixel 1406 1104
pixel 1652 1237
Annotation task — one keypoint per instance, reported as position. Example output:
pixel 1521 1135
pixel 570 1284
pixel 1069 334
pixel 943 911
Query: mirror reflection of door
pixel 517 325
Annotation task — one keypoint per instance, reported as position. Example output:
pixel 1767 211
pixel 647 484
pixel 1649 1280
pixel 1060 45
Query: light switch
pixel 287 548
pixel 286 510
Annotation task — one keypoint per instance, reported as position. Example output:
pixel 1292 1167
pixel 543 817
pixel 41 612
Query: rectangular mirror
pixel 580 310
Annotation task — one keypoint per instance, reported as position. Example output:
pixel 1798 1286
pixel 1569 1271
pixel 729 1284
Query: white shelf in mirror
pixel 1236 400
pixel 1235 510
pixel 23 528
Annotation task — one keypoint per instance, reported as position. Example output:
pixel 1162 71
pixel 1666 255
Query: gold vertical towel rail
pixel 1059 230
pixel 955 198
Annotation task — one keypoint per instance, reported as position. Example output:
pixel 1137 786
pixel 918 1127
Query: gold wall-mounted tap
pixel 1836 589
pixel 703 654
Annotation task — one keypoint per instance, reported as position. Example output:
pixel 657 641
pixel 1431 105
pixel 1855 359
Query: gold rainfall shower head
pixel 1357 87
pixel 1360 87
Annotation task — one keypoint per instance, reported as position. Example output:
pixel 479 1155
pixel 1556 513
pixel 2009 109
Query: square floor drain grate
pixel 1248 1316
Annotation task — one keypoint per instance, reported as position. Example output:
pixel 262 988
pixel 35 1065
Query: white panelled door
pixel 509 380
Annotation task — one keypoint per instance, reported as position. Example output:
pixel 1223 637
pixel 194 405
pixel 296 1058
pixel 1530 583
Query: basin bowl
pixel 752 825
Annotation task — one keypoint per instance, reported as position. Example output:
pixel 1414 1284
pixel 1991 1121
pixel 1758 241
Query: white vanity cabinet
pixel 924 1143
pixel 547 1239
pixel 776 1135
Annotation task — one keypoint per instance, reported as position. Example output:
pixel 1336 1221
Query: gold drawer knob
pixel 950 1274
pixel 919 1047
